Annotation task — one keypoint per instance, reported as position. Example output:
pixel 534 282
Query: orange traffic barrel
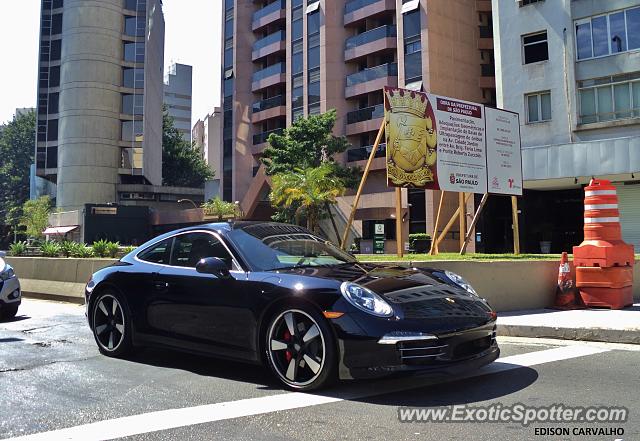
pixel 605 287
pixel 602 245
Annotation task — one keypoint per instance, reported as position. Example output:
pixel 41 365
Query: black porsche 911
pixel 278 294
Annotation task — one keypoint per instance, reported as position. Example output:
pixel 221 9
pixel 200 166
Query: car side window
pixel 158 253
pixel 189 248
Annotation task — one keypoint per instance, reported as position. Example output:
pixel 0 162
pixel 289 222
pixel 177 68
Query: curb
pixel 627 336
pixel 54 297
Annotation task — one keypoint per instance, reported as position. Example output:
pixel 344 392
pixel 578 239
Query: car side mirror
pixel 213 265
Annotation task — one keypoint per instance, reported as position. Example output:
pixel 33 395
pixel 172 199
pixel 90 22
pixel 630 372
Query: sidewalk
pixel 613 326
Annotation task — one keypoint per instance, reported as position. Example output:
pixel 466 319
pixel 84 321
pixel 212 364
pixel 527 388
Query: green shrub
pixel 419 236
pixel 67 247
pixel 112 249
pixel 18 248
pixel 50 249
pixel 83 251
pixel 126 250
pixel 100 248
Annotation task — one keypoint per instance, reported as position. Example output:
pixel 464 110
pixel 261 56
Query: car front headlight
pixel 365 299
pixel 461 282
pixel 7 273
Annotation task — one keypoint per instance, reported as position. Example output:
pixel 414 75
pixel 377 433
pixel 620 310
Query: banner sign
pixel 439 143
pixel 504 157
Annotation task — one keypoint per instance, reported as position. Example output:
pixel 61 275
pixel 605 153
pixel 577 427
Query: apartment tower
pixel 286 59
pixel 99 122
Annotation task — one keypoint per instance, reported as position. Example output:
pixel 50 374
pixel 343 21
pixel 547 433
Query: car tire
pixel 301 348
pixel 8 312
pixel 111 324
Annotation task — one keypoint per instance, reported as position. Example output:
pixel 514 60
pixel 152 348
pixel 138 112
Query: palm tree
pixel 219 208
pixel 310 189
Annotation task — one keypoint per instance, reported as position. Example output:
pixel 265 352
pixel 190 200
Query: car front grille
pixel 445 349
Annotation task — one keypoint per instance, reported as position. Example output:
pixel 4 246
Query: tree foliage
pixel 17 147
pixel 308 143
pixel 35 216
pixel 219 208
pixel 182 164
pixel 309 189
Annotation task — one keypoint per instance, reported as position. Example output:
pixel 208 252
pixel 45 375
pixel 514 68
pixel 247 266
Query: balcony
pixel 269 76
pixel 269 108
pixel 271 13
pixel 362 153
pixel 485 42
pixel 369 42
pixel 269 45
pixel 358 10
pixel 371 79
pixel 365 120
pixel 261 138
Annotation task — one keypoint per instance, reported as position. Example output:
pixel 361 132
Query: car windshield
pixel 272 247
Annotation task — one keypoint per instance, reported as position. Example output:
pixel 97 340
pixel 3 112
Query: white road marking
pixel 188 416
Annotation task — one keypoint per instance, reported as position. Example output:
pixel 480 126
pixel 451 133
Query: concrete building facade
pixel 207 137
pixel 177 97
pixel 99 123
pixel 309 56
pixel 572 71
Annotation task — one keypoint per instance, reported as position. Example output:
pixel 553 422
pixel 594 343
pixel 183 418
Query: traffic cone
pixel 565 292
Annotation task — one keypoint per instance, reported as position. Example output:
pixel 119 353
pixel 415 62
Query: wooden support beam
pixel 516 228
pixel 399 241
pixel 474 221
pixel 451 221
pixel 354 207
pixel 434 247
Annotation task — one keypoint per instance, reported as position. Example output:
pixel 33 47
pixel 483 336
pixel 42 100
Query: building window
pixel 132 130
pixel 56 50
pixel 608 34
pixel 538 107
pixel 135 26
pixel 54 99
pixel 609 98
pixel 134 52
pixel 132 104
pixel 136 5
pixel 535 47
pixel 133 78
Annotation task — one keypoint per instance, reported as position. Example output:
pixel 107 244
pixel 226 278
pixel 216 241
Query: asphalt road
pixel 54 382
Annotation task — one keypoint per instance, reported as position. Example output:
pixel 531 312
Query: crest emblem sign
pixel 411 137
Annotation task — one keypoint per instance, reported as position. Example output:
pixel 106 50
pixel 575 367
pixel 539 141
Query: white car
pixel 10 295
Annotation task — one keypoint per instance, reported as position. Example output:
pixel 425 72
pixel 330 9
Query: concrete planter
pixel 507 285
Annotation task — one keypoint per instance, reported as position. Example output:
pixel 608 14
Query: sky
pixel 192 37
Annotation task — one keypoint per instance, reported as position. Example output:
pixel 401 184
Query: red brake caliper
pixel 287 337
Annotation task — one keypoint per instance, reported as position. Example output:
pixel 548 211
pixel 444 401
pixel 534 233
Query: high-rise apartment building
pixel 286 59
pixel 571 68
pixel 100 88
pixel 207 137
pixel 177 97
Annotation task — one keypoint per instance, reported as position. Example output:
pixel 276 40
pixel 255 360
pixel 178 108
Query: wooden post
pixel 345 236
pixel 399 241
pixel 474 221
pixel 463 221
pixel 434 246
pixel 451 221
pixel 516 228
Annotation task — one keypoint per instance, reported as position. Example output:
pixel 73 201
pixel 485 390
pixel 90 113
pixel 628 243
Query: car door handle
pixel 161 286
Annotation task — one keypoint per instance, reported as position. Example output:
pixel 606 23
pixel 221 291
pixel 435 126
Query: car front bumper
pixel 10 293
pixel 363 355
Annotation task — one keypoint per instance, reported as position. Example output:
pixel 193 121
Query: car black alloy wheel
pixel 110 325
pixel 7 312
pixel 300 349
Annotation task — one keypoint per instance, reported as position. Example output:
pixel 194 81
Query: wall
pixel 507 285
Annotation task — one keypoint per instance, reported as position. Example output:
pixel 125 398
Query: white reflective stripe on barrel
pixel 601 207
pixel 600 193
pixel 597 220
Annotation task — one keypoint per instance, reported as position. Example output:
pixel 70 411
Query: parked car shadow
pixel 413 390
pixel 17 318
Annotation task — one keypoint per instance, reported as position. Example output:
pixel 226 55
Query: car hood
pixel 418 293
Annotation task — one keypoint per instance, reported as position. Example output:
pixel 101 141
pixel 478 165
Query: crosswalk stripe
pixel 188 416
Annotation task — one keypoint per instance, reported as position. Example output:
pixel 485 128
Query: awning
pixel 59 230
pixel 411 5
pixel 313 7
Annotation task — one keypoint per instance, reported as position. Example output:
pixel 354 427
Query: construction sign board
pixel 440 143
